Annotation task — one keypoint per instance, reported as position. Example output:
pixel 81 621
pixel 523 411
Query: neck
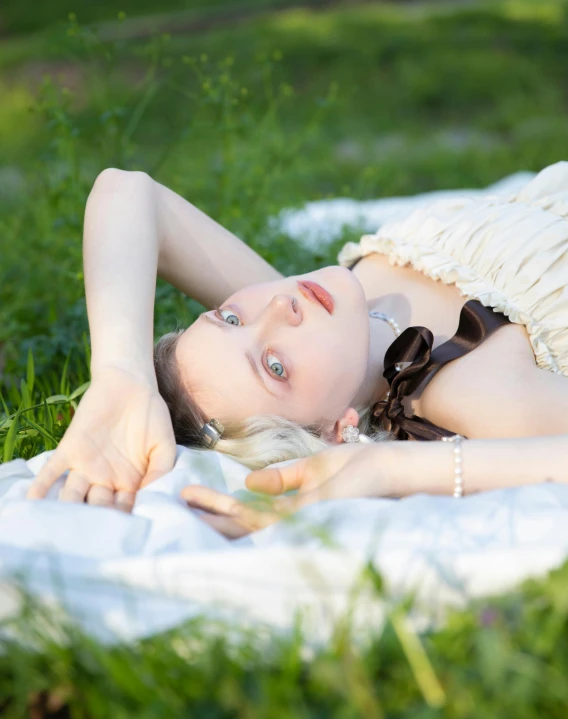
pixel 381 336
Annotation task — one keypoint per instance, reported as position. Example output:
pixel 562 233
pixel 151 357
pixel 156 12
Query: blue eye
pixel 275 366
pixel 272 362
pixel 231 318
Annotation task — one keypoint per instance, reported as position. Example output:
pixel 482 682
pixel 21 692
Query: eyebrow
pixel 257 373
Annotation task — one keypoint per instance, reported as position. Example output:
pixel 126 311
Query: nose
pixel 284 308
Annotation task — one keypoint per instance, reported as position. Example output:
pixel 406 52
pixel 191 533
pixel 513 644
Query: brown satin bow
pixel 413 348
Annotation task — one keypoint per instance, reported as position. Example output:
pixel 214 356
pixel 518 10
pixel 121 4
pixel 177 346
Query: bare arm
pixel 121 436
pixel 135 229
pixel 385 469
pixel 200 257
pixel 487 464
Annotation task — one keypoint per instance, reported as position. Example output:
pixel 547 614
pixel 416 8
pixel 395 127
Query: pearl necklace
pixel 395 328
pixel 389 320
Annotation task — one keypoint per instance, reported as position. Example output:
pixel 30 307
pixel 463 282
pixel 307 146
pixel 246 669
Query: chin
pixel 339 281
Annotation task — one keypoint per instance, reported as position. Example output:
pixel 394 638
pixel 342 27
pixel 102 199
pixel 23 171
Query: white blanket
pixel 133 575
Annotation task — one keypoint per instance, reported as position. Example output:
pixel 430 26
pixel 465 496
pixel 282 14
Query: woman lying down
pixel 449 327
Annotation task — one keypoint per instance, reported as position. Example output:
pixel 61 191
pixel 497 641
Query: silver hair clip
pixel 211 433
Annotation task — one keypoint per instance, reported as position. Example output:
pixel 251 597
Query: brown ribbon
pixel 414 346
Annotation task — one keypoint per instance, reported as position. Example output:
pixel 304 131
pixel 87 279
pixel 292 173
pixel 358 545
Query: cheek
pixel 347 349
pixel 256 296
pixel 337 371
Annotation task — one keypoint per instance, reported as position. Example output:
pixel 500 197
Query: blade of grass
pixel 43 432
pixel 87 349
pixel 47 418
pixel 30 374
pixel 63 384
pixel 56 398
pixel 26 397
pixel 6 411
pixel 80 390
pixel 416 656
pixel 10 443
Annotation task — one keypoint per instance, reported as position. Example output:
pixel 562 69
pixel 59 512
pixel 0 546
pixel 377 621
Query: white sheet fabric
pixel 129 576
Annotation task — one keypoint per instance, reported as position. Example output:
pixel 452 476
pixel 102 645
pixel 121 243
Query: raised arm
pixel 136 229
pixel 121 435
pixel 199 256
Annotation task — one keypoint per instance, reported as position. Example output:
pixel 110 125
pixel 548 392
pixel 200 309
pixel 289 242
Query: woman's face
pixel 273 348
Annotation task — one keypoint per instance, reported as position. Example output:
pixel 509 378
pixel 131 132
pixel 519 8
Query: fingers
pixel 229 516
pixel 304 474
pixel 276 480
pixel 100 496
pixel 161 462
pixel 210 500
pixel 225 525
pixel 124 500
pixel 76 488
pixel 55 466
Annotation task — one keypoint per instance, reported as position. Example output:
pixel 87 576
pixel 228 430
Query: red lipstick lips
pixel 316 293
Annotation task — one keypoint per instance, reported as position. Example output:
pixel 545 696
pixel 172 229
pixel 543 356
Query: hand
pixel 348 470
pixel 120 439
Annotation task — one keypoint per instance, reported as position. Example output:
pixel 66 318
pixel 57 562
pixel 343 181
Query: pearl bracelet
pixel 458 479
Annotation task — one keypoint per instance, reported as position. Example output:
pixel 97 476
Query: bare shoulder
pixel 497 390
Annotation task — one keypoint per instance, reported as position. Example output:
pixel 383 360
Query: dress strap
pixel 413 350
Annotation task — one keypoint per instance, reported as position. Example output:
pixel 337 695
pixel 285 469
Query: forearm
pixel 202 258
pixel 486 464
pixel 136 229
pixel 121 250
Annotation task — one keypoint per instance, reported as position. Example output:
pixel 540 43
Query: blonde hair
pixel 255 442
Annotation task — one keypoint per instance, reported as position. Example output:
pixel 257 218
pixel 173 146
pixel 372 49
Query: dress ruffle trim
pixel 440 266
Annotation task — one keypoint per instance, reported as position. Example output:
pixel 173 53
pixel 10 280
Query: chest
pixel 487 392
pixel 412 298
pixel 496 390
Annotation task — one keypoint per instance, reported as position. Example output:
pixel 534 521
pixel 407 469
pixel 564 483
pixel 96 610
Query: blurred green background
pixel 246 107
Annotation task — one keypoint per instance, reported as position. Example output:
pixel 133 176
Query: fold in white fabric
pixel 128 576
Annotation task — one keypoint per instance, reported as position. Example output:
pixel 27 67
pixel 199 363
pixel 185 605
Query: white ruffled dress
pixel 510 253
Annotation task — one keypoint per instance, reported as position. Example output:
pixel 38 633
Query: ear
pixel 349 417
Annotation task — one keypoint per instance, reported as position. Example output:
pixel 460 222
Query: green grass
pixel 501 658
pixel 362 100
pixel 24 16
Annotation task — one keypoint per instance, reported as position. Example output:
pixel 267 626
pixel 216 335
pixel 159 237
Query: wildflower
pixel 488 617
